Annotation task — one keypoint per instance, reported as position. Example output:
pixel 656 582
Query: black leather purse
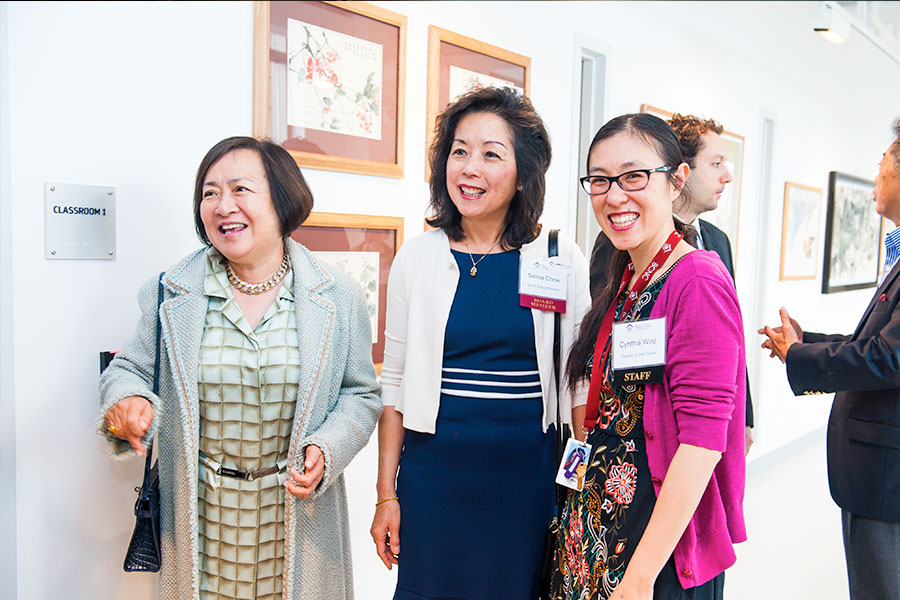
pixel 143 552
pixel 551 547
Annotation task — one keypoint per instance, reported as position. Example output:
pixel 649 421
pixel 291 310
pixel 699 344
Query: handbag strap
pixel 561 432
pixel 159 299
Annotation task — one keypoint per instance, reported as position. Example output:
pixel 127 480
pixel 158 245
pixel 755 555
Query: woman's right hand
pixel 386 532
pixel 129 419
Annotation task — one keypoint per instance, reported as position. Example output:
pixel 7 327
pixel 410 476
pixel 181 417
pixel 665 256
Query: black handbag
pixel 551 547
pixel 143 552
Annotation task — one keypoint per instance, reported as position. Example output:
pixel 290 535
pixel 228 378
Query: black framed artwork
pixel 853 233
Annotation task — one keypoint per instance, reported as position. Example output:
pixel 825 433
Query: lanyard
pixel 598 370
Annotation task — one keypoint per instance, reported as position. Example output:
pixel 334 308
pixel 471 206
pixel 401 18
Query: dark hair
pixel 895 147
pixel 291 197
pixel 531 146
pixel 657 133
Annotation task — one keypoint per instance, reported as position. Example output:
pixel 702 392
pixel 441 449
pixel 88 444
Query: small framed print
pixel 328 84
pixel 853 235
pixel 363 246
pixel 800 232
pixel 727 215
pixel 458 64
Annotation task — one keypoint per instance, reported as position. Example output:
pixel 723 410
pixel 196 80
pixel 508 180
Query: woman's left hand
pixel 302 486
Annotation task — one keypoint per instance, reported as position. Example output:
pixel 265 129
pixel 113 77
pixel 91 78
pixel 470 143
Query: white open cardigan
pixel 421 288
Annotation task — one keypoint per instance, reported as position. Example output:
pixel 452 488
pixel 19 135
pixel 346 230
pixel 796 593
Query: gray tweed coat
pixel 337 408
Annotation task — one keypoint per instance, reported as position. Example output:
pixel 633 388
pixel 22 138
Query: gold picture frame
pixel 329 82
pixel 800 222
pixel 457 63
pixel 351 242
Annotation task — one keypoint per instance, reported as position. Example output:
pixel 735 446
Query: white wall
pixel 132 94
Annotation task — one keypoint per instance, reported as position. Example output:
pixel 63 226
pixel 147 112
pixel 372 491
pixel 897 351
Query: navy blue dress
pixel 476 496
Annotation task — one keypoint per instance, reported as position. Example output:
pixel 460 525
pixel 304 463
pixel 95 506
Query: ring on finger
pixel 112 429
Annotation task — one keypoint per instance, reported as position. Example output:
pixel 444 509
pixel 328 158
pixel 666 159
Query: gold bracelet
pixel 380 502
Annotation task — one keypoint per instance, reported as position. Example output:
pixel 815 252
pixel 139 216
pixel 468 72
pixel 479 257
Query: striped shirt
pixel 891 252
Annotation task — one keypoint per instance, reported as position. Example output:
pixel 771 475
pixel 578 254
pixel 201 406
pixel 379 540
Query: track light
pixel 833 25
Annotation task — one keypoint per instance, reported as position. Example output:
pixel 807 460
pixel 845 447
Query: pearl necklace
pixel 254 289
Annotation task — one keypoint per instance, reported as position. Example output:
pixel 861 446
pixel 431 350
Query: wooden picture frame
pixel 457 63
pixel 853 234
pixel 329 83
pixel 727 216
pixel 353 242
pixel 800 232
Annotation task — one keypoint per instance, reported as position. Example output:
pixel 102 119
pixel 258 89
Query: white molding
pixel 8 512
pixel 590 47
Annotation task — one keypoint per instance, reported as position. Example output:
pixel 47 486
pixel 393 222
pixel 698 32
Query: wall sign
pixel 79 221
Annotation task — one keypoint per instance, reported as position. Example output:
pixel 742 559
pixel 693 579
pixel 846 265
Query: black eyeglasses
pixel 630 181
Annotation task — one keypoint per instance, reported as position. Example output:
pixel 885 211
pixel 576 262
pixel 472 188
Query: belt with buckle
pixel 219 469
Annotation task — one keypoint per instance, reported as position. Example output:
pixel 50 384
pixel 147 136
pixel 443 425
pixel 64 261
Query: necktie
pixel 690 235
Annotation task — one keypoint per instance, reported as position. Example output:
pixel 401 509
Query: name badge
pixel 574 464
pixel 639 351
pixel 542 283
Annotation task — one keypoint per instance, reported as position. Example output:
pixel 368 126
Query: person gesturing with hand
pixel 780 339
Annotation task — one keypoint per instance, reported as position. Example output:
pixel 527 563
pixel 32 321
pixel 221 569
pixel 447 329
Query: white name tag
pixel 574 464
pixel 542 283
pixel 639 344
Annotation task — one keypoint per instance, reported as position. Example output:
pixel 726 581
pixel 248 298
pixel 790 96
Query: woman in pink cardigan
pixel 661 504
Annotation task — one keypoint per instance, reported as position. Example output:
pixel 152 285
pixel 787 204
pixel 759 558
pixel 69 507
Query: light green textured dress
pixel 248 381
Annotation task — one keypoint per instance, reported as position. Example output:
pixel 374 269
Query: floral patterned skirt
pixel 602 525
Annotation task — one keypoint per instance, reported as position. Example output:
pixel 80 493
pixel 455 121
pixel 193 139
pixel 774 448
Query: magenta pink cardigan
pixel 695 404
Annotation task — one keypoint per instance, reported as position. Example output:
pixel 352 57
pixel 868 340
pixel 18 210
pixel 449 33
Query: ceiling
pixel 881 19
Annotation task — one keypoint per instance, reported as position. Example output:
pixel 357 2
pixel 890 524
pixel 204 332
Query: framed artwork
pixel 363 246
pixel 459 64
pixel 800 232
pixel 853 234
pixel 727 216
pixel 328 84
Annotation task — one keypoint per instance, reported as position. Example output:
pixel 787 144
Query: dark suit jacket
pixel 864 426
pixel 713 239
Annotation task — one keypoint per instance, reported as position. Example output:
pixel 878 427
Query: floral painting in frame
pixel 364 247
pixel 329 84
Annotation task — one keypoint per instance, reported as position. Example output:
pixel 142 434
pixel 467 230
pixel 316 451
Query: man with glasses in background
pixel 704 151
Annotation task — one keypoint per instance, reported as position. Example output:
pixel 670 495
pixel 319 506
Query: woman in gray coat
pixel 266 392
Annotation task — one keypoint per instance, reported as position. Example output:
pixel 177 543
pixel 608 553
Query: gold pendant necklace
pixel 474 271
pixel 254 289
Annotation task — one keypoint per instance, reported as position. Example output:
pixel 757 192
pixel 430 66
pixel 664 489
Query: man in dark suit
pixel 864 427
pixel 704 151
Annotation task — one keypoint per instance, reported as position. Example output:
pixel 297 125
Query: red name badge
pixel 542 303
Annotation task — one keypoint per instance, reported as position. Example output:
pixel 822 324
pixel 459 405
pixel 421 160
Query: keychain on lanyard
pixel 599 380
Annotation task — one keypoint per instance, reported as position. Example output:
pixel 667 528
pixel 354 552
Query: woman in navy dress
pixel 467 453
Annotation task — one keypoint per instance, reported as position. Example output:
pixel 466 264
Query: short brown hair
pixel 531 145
pixel 291 197
pixel 690 131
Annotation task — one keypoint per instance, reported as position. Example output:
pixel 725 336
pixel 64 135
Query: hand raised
pixel 783 337
pixel 129 419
